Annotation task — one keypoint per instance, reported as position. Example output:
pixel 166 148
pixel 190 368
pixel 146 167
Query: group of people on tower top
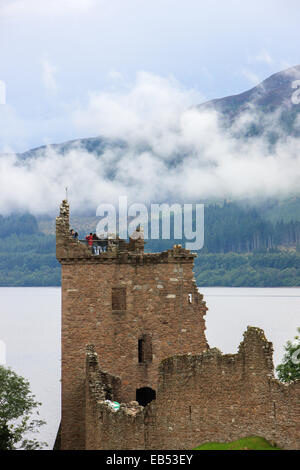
pixel 93 241
pixel 96 247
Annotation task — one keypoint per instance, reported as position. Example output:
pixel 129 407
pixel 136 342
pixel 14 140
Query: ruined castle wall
pixel 123 430
pixel 222 398
pixel 286 411
pixel 107 429
pixel 208 397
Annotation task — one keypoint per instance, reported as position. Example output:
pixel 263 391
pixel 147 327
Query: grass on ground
pixel 247 443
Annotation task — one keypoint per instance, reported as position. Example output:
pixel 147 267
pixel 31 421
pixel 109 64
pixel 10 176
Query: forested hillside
pixel 27 257
pixel 231 228
pixel 272 269
pixel 242 248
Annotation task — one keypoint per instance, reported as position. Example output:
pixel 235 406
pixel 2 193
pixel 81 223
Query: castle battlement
pixel 117 250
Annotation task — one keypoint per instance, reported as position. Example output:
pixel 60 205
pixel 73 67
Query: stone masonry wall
pixel 123 429
pixel 158 288
pixel 201 395
pixel 212 397
pixel 207 397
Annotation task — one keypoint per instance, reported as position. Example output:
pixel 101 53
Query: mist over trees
pixel 25 224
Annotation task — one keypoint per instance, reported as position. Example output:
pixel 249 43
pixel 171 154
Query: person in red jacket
pixel 89 239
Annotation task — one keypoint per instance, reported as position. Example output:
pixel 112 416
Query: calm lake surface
pixel 30 329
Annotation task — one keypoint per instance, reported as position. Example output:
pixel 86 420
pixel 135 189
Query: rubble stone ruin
pixel 133 331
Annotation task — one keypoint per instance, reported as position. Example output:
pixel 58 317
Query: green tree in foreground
pixel 17 409
pixel 289 370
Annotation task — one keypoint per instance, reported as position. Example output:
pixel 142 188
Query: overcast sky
pixel 132 70
pixel 55 53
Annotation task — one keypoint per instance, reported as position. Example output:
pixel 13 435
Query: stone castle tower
pixel 133 331
pixel 136 309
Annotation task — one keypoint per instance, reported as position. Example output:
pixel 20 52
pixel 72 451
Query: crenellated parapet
pixel 118 251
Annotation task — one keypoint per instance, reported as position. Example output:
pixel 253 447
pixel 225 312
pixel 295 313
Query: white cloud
pixel 263 56
pixel 48 75
pixel 115 76
pixel 170 151
pixel 147 110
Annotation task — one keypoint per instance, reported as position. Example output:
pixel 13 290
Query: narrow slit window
pixel 141 350
pixel 119 298
pixel 190 298
pixel 145 349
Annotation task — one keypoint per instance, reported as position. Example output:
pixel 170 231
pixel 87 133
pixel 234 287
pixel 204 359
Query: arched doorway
pixel 144 395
